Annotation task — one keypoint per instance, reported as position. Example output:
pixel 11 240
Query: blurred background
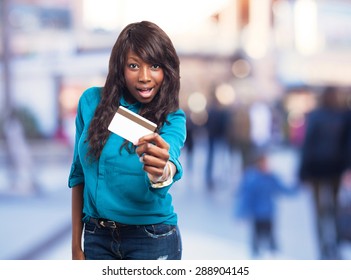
pixel 251 70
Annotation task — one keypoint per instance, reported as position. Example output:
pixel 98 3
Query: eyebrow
pixel 134 58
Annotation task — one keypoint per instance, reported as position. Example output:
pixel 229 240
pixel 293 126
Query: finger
pixel 153 171
pixel 156 139
pixel 152 150
pixel 141 140
pixel 153 161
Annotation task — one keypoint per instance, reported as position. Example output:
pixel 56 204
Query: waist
pixel 104 223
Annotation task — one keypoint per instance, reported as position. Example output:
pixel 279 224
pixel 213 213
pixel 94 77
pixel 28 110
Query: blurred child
pixel 257 191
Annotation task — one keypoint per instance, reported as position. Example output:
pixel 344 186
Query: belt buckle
pixel 108 224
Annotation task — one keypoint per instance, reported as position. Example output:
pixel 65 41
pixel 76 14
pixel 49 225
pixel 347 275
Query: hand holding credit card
pixel 130 125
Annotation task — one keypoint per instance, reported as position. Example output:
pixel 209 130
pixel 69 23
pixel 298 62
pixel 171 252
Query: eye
pixel 133 65
pixel 155 66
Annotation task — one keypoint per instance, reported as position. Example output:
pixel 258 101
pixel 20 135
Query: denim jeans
pixel 132 242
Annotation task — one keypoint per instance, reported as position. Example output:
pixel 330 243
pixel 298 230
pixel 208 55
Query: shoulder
pixel 250 174
pixel 175 125
pixel 177 117
pixel 91 95
pixel 88 102
pixel 178 114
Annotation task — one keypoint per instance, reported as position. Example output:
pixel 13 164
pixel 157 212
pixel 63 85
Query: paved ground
pixel 38 226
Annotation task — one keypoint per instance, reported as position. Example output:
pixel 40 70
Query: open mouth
pixel 145 92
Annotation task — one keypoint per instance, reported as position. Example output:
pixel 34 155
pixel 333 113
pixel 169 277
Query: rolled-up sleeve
pixel 174 133
pixel 76 175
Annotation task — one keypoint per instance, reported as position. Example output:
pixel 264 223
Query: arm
pixel 281 187
pixel 160 152
pixel 76 183
pixel 77 223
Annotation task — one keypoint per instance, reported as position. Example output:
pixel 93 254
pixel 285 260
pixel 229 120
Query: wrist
pixel 166 179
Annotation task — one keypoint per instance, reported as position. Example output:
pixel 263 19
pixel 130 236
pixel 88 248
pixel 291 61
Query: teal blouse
pixel 116 187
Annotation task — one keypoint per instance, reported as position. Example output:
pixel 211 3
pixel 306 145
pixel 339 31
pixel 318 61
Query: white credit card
pixel 130 125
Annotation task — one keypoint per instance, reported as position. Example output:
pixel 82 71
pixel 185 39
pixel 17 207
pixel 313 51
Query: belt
pixel 106 223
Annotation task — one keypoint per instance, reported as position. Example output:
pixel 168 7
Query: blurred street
pixel 38 226
pixel 251 73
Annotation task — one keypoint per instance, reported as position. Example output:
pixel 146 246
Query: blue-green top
pixel 116 187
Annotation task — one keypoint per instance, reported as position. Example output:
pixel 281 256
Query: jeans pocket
pixel 159 230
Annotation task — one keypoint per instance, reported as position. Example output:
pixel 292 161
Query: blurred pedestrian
pixel 322 164
pixel 260 124
pixel 216 128
pixel 189 143
pixel 344 209
pixel 344 196
pixel 120 190
pixel 257 192
pixel 238 133
pixel 20 158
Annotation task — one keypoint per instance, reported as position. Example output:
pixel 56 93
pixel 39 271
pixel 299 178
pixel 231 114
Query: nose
pixel 144 75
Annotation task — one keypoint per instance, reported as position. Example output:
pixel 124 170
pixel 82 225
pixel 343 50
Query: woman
pixel 120 189
pixel 322 164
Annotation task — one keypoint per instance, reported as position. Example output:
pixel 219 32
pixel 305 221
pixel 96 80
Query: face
pixel 262 163
pixel 143 80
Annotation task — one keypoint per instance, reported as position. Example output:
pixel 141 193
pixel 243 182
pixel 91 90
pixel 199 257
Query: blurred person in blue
pixel 257 192
pixel 121 205
pixel 323 161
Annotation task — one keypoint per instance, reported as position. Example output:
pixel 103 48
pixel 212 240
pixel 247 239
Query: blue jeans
pixel 132 242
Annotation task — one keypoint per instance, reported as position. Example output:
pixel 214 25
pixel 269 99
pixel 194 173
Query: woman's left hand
pixel 153 152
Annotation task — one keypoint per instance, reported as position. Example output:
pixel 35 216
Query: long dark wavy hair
pixel 152 45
